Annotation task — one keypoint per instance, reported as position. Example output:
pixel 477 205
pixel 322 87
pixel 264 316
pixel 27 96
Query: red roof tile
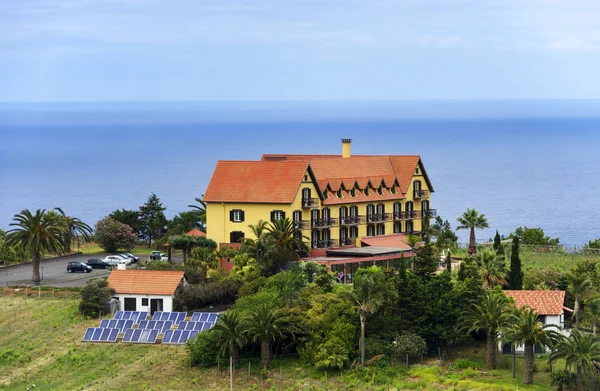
pixel 145 282
pixel 255 181
pixel 544 302
pixel 196 232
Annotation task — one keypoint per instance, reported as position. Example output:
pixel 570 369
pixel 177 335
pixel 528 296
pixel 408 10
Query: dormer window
pixel 339 193
pixel 393 190
pixel 325 194
pixel 380 190
pixel 366 191
pixel 353 192
pixel 417 170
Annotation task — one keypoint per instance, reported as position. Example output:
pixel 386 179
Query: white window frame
pixel 237 215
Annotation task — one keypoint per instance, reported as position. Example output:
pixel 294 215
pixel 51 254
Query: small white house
pixel 550 306
pixel 145 290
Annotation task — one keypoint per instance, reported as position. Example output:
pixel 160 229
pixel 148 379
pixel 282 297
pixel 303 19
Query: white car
pixel 114 260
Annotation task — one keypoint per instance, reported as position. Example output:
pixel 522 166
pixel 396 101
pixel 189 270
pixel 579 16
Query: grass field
pixel 40 343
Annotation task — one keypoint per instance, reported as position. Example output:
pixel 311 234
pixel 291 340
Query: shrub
pixel 162 265
pixel 112 235
pixel 551 278
pixel 94 297
pixel 463 363
pixel 563 380
pixel 202 349
pixel 212 292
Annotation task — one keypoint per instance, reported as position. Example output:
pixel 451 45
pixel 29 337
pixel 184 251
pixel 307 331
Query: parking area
pixel 54 272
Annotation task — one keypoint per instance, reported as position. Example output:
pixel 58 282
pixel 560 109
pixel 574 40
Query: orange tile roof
pixel 393 241
pixel 196 232
pixel 255 181
pixel 145 282
pixel 544 302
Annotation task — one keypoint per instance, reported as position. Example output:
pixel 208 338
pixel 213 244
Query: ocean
pixel 521 163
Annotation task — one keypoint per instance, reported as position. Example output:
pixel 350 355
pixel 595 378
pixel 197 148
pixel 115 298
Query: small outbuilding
pixel 146 290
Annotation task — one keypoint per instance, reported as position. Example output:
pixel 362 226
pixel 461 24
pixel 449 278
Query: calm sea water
pixel 533 164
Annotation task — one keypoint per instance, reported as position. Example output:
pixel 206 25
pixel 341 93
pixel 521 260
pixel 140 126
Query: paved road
pixel 54 272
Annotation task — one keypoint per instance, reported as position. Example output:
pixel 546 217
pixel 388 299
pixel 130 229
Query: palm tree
pixel 231 337
pixel 579 287
pixel 490 316
pixel 593 308
pixel 200 210
pixel 38 233
pixel 527 330
pixel 471 219
pixel 259 229
pixel 579 350
pixel 265 325
pixel 284 234
pixel 75 229
pixel 491 268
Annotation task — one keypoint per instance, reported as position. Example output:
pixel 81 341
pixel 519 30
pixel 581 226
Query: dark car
pixel 97 263
pixel 78 267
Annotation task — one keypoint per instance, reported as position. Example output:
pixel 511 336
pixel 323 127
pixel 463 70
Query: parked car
pixel 78 267
pixel 157 256
pixel 98 263
pixel 123 257
pixel 130 256
pixel 113 260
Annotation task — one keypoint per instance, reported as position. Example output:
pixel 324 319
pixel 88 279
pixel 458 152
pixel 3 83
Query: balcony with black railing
pixel 324 223
pixel 302 224
pixel 352 220
pixel 430 213
pixel 348 242
pixel 378 217
pixel 310 202
pixel 420 194
pixel 326 243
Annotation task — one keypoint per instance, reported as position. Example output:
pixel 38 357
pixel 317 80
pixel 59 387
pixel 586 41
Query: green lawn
pixel 40 343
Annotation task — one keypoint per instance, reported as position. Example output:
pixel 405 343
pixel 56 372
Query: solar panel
pixel 198 326
pixel 193 334
pixel 181 326
pixel 112 324
pixel 156 315
pixel 97 334
pixel 88 334
pixel 128 335
pixel 196 316
pixel 153 336
pixel 118 315
pixel 104 323
pixel 181 317
pixel 167 326
pixel 128 324
pixel 121 324
pixel 212 318
pixel 176 336
pixel 184 336
pixel 143 316
pixel 136 335
pixel 105 335
pixel 206 326
pixel 152 324
pixel 191 326
pixel 135 316
pixel 160 324
pixel 170 316
pixel 143 324
pixel 203 317
pixel 114 333
pixel 167 336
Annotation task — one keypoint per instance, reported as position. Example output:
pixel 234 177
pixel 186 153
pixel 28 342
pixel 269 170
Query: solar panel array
pixel 140 336
pixel 147 331
pixel 175 317
pixel 97 334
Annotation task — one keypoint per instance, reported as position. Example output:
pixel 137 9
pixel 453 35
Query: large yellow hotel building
pixel 336 200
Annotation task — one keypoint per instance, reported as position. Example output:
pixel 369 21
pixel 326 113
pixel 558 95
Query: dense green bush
pixel 551 278
pixel 195 296
pixel 94 297
pixel 463 363
pixel 202 349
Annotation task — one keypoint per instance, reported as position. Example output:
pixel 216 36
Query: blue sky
pixel 174 50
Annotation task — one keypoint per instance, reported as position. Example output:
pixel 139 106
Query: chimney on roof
pixel 346 147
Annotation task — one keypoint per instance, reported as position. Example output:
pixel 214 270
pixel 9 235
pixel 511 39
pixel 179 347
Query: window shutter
pixel 231 215
pixel 242 215
pixel 272 215
pixel 282 215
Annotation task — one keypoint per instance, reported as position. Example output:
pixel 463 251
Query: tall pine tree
pixel 498 244
pixel 515 277
pixel 152 219
pixel 449 262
